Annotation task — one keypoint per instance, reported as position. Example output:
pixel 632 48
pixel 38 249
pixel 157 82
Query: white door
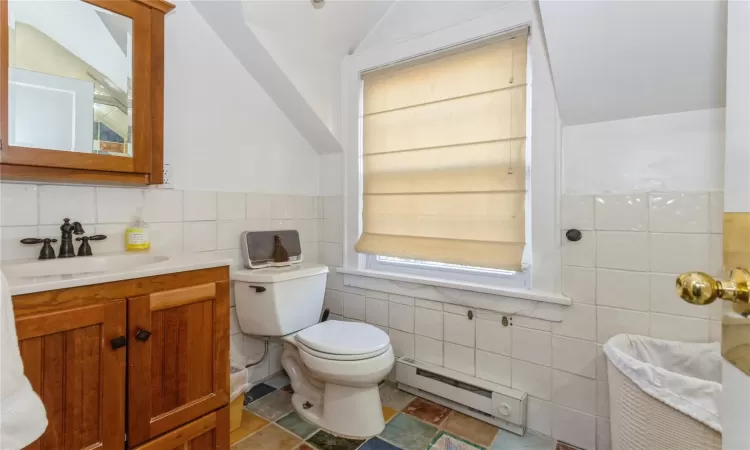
pixel 735 404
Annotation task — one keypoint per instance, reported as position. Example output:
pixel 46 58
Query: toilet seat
pixel 343 341
pixel 334 357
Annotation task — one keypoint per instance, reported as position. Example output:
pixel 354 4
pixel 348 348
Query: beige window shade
pixel 444 158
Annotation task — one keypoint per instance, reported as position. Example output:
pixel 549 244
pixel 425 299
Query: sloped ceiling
pixel 407 19
pixel 621 59
pixel 309 44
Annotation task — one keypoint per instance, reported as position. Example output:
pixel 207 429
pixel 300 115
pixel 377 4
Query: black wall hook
pixel 573 235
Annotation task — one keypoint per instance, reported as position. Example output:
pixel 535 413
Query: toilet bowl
pixel 348 402
pixel 334 367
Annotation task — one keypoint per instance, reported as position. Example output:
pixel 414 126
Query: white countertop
pixel 103 268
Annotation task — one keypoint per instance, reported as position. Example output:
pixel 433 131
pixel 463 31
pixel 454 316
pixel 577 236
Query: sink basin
pixel 79 265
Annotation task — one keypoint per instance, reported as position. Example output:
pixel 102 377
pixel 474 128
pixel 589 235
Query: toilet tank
pixel 276 301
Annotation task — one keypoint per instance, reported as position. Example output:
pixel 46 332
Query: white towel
pixel 22 415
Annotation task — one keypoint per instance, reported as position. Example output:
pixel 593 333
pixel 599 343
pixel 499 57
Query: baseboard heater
pixel 493 403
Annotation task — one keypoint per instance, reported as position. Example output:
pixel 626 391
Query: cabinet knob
pixel 118 342
pixel 142 335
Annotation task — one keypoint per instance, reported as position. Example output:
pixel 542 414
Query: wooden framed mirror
pixel 82 90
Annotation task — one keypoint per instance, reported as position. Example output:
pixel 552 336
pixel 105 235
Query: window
pixel 444 162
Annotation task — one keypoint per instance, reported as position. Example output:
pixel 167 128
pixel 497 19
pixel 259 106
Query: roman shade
pixel 444 170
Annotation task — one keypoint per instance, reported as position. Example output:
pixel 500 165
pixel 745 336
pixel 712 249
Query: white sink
pixel 79 265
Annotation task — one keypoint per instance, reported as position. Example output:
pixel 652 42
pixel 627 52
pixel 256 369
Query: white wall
pixel 222 131
pixel 672 152
pixel 647 194
pixel 620 59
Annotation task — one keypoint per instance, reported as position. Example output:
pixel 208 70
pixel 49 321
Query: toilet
pixel 334 367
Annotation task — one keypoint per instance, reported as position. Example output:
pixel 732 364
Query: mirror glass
pixel 70 77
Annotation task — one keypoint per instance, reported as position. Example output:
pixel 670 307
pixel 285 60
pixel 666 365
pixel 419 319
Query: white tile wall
pixel 632 290
pixel 493 337
pixel 675 253
pixel 679 212
pixel 492 367
pixel 74 202
pixel 620 277
pixel 579 283
pixel 199 205
pixel 458 358
pixel 577 212
pixel 532 378
pixel 573 391
pixel 163 205
pixel 191 221
pixel 119 205
pixel 621 212
pixel 639 243
pixel 625 250
pixel 18 204
pixel 428 350
pixel 532 346
pixel 231 206
pixel 458 329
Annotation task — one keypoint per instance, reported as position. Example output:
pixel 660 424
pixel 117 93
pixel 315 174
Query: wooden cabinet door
pixel 78 371
pixel 180 371
pixel 209 432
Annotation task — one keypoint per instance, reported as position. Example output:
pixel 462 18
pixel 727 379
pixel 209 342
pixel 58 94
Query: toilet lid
pixel 344 338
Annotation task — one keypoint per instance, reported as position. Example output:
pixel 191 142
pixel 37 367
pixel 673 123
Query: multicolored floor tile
pixel 388 413
pixel 269 438
pixel 272 406
pixel 323 440
pixel 249 425
pixel 257 392
pixel 278 381
pixel 378 444
pixel 392 397
pixel 412 423
pixel 427 411
pixel 508 441
pixel 297 425
pixel 445 441
pixel 408 432
pixel 470 428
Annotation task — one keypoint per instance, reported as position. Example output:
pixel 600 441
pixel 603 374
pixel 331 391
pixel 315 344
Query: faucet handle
pixel 47 251
pixel 85 249
pixel 37 240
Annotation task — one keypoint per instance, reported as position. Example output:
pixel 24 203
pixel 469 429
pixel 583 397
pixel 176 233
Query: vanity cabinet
pixel 167 336
pixel 68 358
pixel 173 375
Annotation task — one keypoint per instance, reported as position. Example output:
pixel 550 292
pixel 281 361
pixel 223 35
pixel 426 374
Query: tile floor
pixel 412 423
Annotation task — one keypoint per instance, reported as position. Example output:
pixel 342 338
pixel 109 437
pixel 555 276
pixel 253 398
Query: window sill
pixel 538 304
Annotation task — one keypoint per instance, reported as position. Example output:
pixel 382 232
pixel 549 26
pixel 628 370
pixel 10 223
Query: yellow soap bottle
pixel 136 235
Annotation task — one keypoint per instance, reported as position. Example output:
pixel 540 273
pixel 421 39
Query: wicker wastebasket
pixel 640 421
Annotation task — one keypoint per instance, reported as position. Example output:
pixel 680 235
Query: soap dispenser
pixel 136 235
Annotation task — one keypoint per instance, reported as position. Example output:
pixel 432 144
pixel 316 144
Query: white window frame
pixel 544 273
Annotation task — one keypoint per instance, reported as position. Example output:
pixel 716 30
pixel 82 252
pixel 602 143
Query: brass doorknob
pixel 701 288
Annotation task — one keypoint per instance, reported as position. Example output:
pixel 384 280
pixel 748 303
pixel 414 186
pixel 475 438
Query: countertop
pixel 104 268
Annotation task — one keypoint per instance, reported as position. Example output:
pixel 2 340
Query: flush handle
pixel 258 289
